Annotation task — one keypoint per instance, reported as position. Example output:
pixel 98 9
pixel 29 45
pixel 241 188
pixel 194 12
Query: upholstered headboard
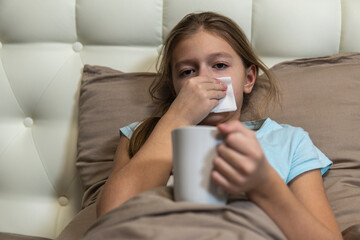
pixel 45 44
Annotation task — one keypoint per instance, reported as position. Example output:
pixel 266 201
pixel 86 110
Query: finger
pixel 246 144
pixel 236 160
pixel 227 171
pixel 216 94
pixel 200 82
pixel 232 126
pixel 213 103
pixel 214 86
pixel 206 80
pixel 223 182
pixel 238 141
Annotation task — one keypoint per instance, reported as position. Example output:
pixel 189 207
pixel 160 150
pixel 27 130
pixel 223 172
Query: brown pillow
pixel 322 95
pixel 109 99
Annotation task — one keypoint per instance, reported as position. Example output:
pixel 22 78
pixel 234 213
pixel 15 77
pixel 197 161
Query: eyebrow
pixel 211 57
pixel 220 54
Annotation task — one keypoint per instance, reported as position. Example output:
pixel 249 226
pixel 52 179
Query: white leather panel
pixel 39 133
pixel 23 155
pixel 10 108
pixel 350 26
pixel 37 21
pixel 31 67
pixel 36 211
pixel 137 58
pixel 239 11
pixel 135 22
pixel 277 24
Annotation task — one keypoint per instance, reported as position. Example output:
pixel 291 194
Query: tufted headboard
pixel 44 45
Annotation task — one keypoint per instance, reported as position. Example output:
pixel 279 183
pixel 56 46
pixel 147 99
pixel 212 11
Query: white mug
pixel 194 149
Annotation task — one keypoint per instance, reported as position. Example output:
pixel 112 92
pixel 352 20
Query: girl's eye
pixel 220 66
pixel 186 72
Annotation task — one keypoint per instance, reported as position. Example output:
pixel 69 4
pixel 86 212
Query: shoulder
pixel 128 130
pixel 274 131
pixel 290 150
pixel 277 138
pixel 295 140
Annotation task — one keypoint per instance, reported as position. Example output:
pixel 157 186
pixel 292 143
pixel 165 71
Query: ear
pixel 250 78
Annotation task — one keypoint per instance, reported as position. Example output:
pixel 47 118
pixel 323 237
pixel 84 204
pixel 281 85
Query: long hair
pixel 162 89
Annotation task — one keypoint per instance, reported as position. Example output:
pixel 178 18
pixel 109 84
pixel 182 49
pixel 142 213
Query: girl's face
pixel 207 54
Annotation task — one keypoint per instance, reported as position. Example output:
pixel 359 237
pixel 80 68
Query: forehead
pixel 200 44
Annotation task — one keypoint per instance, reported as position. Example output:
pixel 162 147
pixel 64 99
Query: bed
pixel 73 72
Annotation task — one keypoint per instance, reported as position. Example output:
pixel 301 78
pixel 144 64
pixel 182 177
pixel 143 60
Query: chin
pixel 214 119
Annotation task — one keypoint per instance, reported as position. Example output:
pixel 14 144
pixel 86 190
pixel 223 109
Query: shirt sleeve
pixel 307 157
pixel 128 130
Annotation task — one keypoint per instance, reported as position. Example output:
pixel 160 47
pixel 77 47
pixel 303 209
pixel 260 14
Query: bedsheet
pixel 155 215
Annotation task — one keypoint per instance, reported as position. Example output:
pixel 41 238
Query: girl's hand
pixel 241 165
pixel 196 98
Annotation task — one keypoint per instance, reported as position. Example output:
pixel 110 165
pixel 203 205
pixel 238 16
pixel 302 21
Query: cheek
pixel 238 93
pixel 177 86
pixel 177 83
pixel 238 97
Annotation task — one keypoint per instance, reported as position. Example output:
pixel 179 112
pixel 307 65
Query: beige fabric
pixel 154 215
pixel 109 99
pixel 82 221
pixel 343 191
pixel 13 236
pixel 352 233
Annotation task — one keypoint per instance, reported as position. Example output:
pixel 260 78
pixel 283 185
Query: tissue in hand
pixel 226 104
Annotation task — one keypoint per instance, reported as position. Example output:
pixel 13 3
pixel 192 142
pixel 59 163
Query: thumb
pixel 230 127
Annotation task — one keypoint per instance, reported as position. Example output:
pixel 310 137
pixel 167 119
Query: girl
pixel 277 166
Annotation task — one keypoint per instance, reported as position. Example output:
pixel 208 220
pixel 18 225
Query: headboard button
pixel 63 201
pixel 28 122
pixel 77 46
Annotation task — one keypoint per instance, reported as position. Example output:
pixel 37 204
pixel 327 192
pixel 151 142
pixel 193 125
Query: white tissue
pixel 226 104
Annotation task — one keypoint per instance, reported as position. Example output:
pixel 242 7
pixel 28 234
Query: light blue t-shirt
pixel 288 149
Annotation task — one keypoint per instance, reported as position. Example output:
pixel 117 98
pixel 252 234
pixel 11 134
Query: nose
pixel 204 71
